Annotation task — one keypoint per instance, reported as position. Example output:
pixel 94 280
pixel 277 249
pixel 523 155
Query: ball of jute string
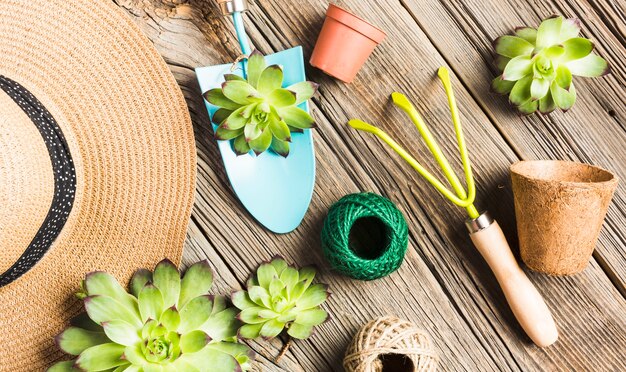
pixel 337 245
pixel 390 336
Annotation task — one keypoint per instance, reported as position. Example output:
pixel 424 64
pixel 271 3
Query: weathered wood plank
pixel 594 131
pixel 444 285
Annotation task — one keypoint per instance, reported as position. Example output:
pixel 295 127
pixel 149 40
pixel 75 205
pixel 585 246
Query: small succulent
pixel 257 113
pixel 537 65
pixel 164 324
pixel 280 297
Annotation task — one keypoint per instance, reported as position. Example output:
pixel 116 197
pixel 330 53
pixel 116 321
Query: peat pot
pixel 560 207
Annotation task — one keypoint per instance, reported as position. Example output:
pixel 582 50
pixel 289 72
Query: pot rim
pixel 609 183
pixel 356 23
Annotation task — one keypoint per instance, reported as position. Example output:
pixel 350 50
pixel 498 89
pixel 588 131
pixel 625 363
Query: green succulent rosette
pixel 537 65
pixel 164 324
pixel 258 113
pixel 280 297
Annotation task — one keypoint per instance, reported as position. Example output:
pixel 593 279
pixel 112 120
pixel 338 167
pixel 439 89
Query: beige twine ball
pixel 386 336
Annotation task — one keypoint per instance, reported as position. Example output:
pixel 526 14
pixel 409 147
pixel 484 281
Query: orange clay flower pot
pixel 344 44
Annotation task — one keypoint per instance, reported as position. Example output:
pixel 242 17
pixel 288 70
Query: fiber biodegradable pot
pixel 344 44
pixel 560 207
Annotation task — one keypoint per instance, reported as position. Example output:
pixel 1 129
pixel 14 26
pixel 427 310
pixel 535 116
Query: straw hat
pixel 97 163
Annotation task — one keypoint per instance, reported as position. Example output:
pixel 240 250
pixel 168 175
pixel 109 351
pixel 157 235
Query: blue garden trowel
pixel 275 190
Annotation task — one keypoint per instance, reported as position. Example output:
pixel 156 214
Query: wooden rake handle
pixel 525 301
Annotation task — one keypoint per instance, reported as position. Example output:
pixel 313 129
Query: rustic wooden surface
pixel 444 286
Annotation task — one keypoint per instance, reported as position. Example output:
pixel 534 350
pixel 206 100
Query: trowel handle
pixel 523 298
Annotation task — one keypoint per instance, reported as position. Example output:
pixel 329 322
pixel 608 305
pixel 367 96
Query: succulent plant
pixel 164 324
pixel 280 297
pixel 537 65
pixel 257 113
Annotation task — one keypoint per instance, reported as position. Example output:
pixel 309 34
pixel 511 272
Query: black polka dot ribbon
pixel 64 179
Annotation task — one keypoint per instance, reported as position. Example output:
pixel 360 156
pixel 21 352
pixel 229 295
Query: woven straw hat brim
pixel 128 130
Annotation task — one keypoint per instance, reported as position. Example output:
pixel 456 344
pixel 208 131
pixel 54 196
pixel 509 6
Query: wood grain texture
pixel 444 285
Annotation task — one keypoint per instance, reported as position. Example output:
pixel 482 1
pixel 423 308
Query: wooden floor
pixel 444 286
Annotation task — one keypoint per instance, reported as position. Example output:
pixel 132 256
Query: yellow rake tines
pixel 461 198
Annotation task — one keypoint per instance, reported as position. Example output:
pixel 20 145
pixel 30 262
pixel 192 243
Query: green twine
pixel 377 260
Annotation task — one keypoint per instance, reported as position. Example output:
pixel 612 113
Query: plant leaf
pixel 222 134
pixel 209 360
pixel 250 331
pixel 259 296
pixel 501 86
pixel 296 117
pixel 231 77
pixel 223 325
pixel 271 79
pixel 280 147
pixel 272 328
pixel 65 366
pixel 313 296
pixel 265 273
pixel 193 341
pixel 195 313
pixel 528 107
pixel 103 308
pixel 299 331
pixel 564 99
pixel 290 277
pixel 311 317
pixel 74 340
pixel 83 321
pixel 150 303
pixel 251 315
pixel 167 280
pixel 501 62
pixel 256 64
pixel 554 51
pixel 240 92
pixel 280 129
pixel 513 46
pixel 262 142
pixel 304 90
pixel 241 300
pixel 590 66
pixel 279 264
pixel 101 283
pixel 527 33
pixel 235 120
pixel 547 104
pixel 121 332
pixel 517 68
pixel 170 319
pixel 282 98
pixel 576 48
pixel 521 91
pixel 570 28
pixel 252 131
pixel 197 281
pixel 549 32
pixel 101 357
pixel 241 146
pixel 563 77
pixel 216 97
pixel 220 115
pixel 139 280
pixel 539 88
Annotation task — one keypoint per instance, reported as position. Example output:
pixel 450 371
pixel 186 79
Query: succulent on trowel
pixel 537 65
pixel 163 324
pixel 258 113
pixel 280 297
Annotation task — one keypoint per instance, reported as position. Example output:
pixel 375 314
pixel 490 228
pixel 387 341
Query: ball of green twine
pixel 337 245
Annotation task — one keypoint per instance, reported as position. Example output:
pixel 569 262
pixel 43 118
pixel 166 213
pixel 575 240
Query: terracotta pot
pixel 344 44
pixel 560 207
